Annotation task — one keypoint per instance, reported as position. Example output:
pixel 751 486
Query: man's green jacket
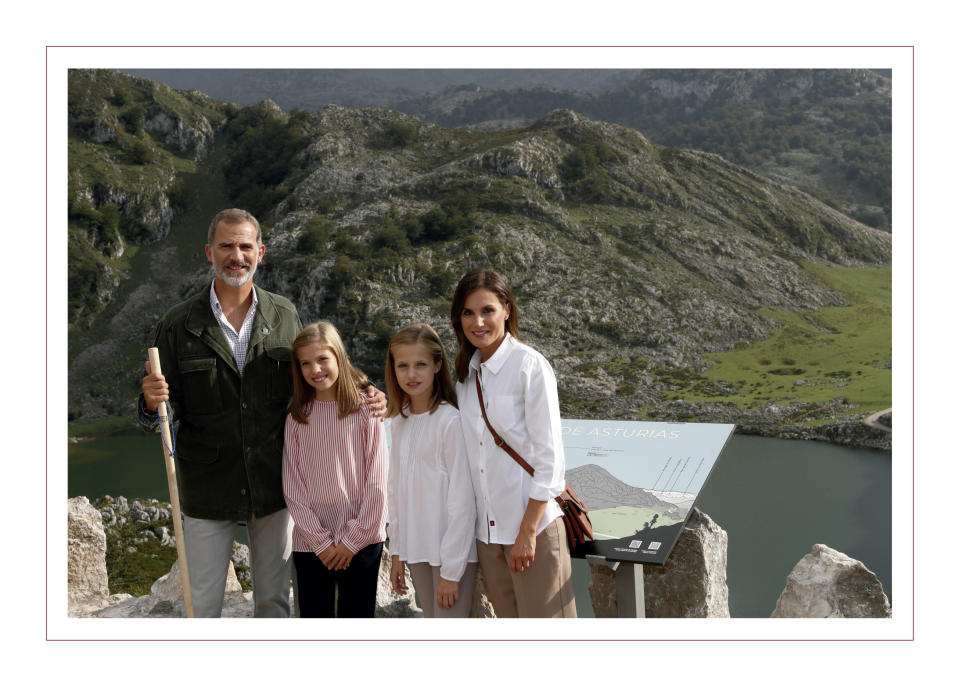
pixel 229 438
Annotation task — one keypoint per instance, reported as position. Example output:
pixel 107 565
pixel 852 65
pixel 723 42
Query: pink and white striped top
pixel 335 478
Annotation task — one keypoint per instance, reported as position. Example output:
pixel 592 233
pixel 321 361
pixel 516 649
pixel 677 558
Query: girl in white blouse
pixel 430 513
pixel 521 543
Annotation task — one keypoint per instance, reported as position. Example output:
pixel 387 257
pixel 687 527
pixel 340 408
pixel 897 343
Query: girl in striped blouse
pixel 334 480
pixel 432 511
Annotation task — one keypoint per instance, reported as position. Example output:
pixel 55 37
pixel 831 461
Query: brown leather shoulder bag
pixel 576 520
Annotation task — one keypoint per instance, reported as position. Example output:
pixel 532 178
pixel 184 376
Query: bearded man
pixel 225 356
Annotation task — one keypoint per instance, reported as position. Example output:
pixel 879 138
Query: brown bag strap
pixel 576 522
pixel 497 439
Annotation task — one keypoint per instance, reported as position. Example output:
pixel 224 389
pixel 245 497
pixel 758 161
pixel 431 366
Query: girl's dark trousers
pixel 350 593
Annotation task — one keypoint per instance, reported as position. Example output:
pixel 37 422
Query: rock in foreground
pixel 829 584
pixel 692 584
pixel 87 586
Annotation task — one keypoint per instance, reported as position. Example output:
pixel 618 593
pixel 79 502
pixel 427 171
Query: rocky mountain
pixel 599 489
pixel 827 131
pixel 131 143
pixel 630 260
pixel 612 242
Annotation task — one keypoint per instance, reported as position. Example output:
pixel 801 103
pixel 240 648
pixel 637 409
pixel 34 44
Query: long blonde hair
pixel 349 379
pixel 425 335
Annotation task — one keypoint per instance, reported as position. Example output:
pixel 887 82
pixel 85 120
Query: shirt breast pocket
pixel 505 412
pixel 201 390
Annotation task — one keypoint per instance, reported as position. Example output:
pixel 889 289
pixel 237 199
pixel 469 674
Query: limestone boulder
pixel 829 584
pixel 692 583
pixel 165 599
pixel 87 585
pixel 603 590
pixel 241 561
pixel 170 587
pixel 390 604
pixel 481 606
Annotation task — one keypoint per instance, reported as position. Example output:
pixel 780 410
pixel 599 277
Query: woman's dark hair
pixel 474 280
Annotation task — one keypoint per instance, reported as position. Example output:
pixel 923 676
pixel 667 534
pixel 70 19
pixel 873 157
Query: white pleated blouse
pixel 431 512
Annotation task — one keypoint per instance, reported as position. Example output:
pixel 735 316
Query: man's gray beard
pixel 235 282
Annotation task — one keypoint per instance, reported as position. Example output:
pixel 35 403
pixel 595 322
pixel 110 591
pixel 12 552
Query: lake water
pixel 775 498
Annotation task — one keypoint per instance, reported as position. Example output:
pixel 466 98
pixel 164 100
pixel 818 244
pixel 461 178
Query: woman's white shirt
pixel 431 511
pixel 520 395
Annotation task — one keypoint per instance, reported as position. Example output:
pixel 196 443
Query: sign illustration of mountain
pixel 640 481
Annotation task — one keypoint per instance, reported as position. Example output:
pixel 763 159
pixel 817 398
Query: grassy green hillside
pixel 812 357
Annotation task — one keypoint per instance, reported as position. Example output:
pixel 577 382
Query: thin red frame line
pixel 913 335
pixel 294 47
pixel 913 339
pixel 46 337
pixel 561 639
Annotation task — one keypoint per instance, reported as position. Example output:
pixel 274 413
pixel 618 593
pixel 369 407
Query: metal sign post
pixel 629 581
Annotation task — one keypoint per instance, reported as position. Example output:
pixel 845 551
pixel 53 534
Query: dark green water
pixel 125 464
pixel 775 498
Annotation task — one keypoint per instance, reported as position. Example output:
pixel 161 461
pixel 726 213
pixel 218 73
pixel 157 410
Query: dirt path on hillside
pixel 873 420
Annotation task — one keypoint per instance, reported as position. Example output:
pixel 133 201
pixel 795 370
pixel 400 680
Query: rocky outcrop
pixel 481 606
pixel 89 595
pixel 848 432
pixel 533 159
pixel 193 139
pixel 829 584
pixel 116 512
pixel 129 139
pixel 784 421
pixel 88 591
pixel 165 600
pixel 824 584
pixel 390 604
pixel 692 584
pixel 87 585
pixel 603 590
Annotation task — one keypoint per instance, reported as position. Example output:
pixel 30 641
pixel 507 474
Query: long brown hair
pixel 474 280
pixel 348 395
pixel 425 335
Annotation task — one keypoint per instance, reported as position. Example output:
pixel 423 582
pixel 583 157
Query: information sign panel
pixel 640 481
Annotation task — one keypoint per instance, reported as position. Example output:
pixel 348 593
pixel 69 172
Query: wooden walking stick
pixel 154 355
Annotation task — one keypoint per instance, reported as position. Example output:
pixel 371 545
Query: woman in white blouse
pixel 521 543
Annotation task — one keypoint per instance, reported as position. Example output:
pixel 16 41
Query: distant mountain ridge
pixel 827 131
pixel 315 88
